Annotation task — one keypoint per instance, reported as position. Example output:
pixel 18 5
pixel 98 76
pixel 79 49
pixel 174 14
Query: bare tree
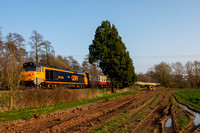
pixel 163 74
pixel 196 72
pixel 36 44
pixel 189 66
pixel 73 64
pixel 11 64
pixel 49 52
pixel 1 58
pixel 85 67
pixel 90 68
pixel 143 77
pixel 178 73
pixel 1 49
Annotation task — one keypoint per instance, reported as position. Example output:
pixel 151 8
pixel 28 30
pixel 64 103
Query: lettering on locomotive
pixel 60 77
pixel 74 78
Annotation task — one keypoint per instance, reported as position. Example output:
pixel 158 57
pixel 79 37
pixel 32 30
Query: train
pixel 37 74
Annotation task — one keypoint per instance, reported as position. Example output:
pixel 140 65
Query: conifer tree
pixel 110 54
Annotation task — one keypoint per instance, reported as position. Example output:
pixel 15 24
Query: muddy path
pixel 147 112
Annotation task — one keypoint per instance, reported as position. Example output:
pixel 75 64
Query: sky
pixel 152 30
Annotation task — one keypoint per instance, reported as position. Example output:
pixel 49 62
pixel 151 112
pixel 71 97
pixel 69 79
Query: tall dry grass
pixel 45 97
pixel 42 97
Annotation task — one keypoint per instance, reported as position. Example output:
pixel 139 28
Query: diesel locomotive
pixel 36 74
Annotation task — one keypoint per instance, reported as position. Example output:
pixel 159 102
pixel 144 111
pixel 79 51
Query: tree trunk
pixel 113 89
pixel 11 99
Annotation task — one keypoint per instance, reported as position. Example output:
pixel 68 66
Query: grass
pixel 184 121
pixel 26 113
pixel 181 118
pixel 190 97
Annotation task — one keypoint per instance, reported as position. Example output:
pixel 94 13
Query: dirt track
pixel 147 112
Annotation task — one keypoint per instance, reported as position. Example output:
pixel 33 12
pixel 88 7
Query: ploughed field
pixel 146 111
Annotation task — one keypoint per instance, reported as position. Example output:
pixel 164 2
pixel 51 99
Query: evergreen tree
pixel 109 52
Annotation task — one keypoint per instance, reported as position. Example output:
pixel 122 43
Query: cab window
pixel 30 68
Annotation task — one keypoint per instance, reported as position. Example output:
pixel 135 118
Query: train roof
pixel 40 64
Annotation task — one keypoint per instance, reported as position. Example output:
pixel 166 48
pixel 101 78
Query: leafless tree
pixel 12 63
pixel 163 74
pixel 178 74
pixel 189 66
pixel 90 68
pixel 36 44
pixel 144 77
pixel 1 58
pixel 196 71
pixel 49 52
pixel 73 64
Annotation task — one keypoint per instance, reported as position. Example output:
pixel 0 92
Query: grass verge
pixel 180 118
pixel 190 97
pixel 26 113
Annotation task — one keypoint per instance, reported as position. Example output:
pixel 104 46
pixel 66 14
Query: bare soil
pixel 148 112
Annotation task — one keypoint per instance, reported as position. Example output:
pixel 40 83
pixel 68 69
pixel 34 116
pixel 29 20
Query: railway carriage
pixel 44 75
pixel 93 80
pixel 103 81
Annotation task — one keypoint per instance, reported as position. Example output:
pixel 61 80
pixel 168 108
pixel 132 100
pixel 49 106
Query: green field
pixel 190 97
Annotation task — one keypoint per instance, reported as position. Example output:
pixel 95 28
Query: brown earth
pixel 146 112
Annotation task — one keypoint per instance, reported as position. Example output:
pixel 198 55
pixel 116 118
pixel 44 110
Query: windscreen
pixel 29 68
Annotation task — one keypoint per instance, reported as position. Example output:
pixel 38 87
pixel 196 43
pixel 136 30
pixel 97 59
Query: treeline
pixel 173 75
pixel 13 54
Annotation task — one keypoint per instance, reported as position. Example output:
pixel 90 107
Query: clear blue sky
pixel 152 30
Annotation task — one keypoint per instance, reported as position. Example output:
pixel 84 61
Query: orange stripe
pixel 64 71
pixel 63 82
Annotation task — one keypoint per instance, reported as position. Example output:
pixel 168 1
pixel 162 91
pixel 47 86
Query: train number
pixel 74 78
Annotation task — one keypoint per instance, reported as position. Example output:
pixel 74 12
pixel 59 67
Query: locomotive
pixel 36 74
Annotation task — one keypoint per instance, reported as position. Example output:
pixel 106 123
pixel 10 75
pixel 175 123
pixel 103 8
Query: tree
pixel 73 64
pixel 90 68
pixel 1 50
pixel 12 55
pixel 196 71
pixel 1 58
pixel 36 44
pixel 143 77
pixel 49 52
pixel 59 61
pixel 193 72
pixel 163 74
pixel 109 53
pixel 178 73
pixel 189 66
